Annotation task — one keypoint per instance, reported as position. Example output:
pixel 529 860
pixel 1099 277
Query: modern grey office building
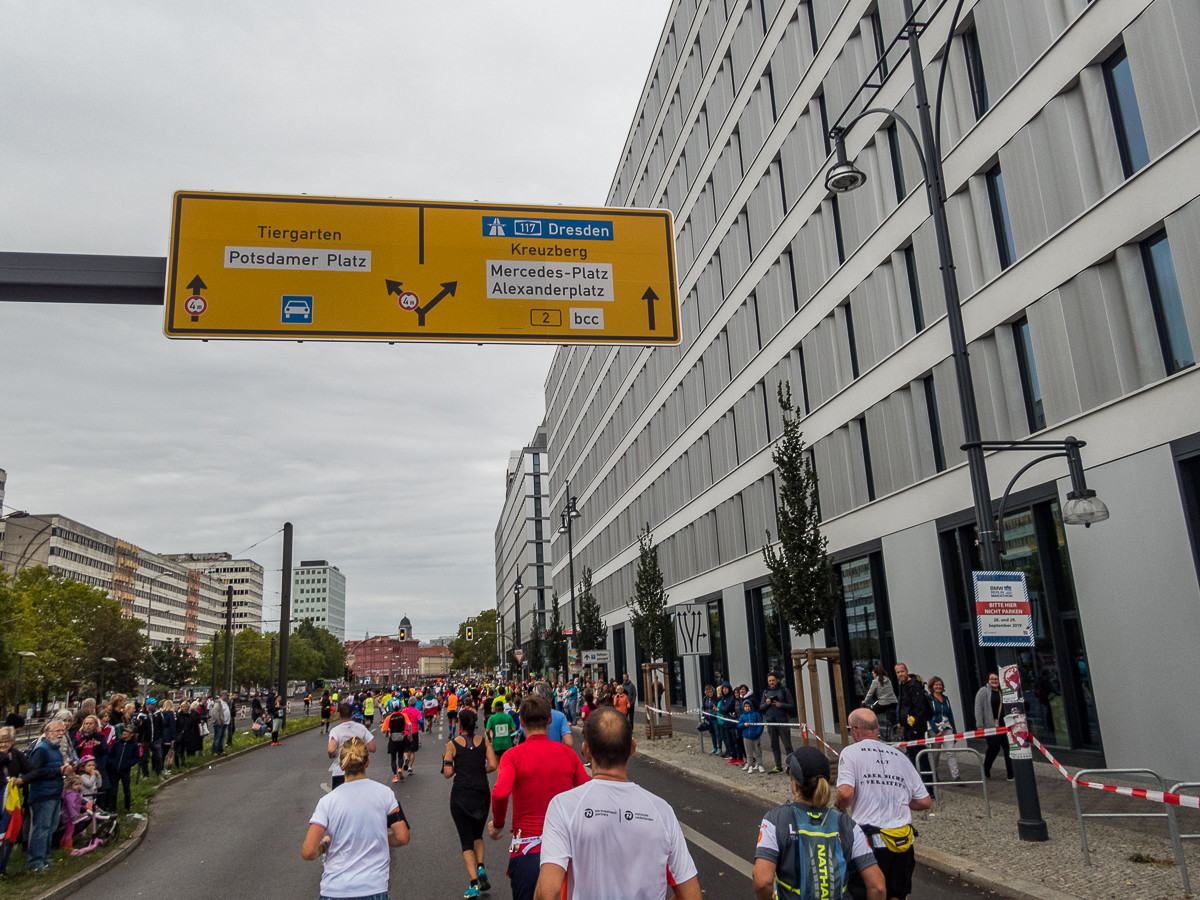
pixel 523 547
pixel 319 594
pixel 1071 143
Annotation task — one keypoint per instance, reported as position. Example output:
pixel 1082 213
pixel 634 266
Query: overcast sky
pixel 389 460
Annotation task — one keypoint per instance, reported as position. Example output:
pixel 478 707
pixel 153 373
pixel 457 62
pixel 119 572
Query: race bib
pixel 501 730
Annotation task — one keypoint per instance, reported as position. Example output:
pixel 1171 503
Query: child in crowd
pixel 751 726
pixel 91 783
pixel 72 806
pixel 589 704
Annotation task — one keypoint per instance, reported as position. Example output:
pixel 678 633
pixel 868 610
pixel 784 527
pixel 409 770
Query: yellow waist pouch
pixel 898 840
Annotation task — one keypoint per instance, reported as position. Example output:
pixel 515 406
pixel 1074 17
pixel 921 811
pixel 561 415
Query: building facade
pixel 1070 133
pixel 245 575
pixel 523 547
pixel 319 594
pixel 176 602
pixel 384 659
pixel 434 661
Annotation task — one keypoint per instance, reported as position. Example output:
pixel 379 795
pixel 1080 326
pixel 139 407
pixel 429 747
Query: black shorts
pixel 398 745
pixel 469 827
pixel 452 715
pixel 523 871
pixel 897 870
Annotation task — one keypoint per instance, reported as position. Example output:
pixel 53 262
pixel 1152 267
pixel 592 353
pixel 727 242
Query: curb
pixel 98 868
pixel 947 863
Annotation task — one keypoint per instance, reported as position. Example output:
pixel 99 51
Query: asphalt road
pixel 235 832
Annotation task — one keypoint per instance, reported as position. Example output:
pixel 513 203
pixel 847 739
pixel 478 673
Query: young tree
pixel 648 607
pixel 801 574
pixel 556 643
pixel 536 660
pixel 592 633
pixel 480 652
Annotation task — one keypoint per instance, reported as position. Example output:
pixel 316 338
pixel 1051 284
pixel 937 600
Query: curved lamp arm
pixel 1004 500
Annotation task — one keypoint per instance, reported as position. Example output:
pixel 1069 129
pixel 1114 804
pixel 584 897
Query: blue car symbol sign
pixel 297 310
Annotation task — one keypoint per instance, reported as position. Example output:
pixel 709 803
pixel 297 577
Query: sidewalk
pixel 957 825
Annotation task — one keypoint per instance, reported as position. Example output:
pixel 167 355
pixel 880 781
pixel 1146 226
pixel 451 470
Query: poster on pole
pixel 1002 610
pixel 573 659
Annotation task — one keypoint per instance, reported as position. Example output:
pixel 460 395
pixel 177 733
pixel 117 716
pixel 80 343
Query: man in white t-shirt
pixel 611 839
pixel 342 732
pixel 881 788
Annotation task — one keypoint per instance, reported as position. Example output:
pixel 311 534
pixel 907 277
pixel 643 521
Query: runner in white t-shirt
pixel 356 826
pixel 880 787
pixel 616 840
pixel 342 732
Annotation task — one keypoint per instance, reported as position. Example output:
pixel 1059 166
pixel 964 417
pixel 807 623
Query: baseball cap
pixel 808 762
pixel 150 701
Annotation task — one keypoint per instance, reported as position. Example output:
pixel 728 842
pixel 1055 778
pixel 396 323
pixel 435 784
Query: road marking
pixel 326 788
pixel 711 847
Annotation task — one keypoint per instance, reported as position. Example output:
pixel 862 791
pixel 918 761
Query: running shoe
pixel 776 770
pixel 471 893
pixel 395 778
pixel 732 762
pixel 761 771
pixel 484 884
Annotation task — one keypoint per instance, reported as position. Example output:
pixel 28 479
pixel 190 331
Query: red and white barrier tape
pixel 950 738
pixel 804 729
pixel 1141 793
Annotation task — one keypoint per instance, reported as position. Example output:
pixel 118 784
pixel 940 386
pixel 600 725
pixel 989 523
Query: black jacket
pixel 913 701
pixel 771 712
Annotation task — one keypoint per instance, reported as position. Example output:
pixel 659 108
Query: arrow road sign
pixel 692 636
pixel 517 274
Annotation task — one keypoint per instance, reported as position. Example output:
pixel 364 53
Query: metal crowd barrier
pixel 1169 815
pixel 1175 789
pixel 935 783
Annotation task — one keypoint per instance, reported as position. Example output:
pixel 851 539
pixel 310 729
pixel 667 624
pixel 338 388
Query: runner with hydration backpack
pixel 807 850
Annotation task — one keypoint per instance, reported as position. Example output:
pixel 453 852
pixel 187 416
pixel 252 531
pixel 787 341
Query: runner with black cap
pixel 807 850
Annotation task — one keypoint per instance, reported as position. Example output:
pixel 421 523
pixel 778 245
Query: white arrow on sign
pixel 692 636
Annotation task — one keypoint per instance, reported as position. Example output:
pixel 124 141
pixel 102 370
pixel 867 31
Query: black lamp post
pixel 517 586
pixel 569 513
pixel 1083 507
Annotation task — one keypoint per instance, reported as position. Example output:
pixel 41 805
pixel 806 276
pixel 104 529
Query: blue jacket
pixel 750 724
pixel 124 755
pixel 942 709
pixel 45 780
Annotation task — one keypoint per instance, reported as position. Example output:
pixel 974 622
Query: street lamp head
pixel 843 176
pixel 574 509
pixel 1084 508
pixel 562 529
pixel 28 654
pixel 107 659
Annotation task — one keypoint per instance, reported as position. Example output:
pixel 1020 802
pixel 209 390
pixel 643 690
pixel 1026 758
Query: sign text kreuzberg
pixel 323 268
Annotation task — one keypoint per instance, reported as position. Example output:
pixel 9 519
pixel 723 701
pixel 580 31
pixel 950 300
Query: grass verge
pixel 19 884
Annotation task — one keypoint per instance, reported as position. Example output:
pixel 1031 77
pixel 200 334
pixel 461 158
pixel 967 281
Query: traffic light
pixel 470 633
pixel 404 634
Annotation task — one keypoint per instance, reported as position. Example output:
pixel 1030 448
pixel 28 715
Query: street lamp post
pixel 104 661
pixel 517 586
pixel 569 513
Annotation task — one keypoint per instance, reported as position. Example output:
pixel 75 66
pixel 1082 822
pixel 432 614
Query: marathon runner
pixel 345 825
pixel 342 732
pixel 431 710
pixel 532 774
pixel 369 710
pixel 452 713
pixel 468 760
pixel 412 732
pixel 641 855
pixel 394 725
pixel 500 728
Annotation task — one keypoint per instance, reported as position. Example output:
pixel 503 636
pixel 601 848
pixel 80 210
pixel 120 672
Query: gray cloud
pixel 388 459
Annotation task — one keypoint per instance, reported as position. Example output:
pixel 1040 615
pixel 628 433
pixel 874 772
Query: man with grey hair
pixel 45 780
pixel 881 788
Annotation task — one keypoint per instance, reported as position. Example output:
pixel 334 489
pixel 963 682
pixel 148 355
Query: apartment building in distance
pixel 523 547
pixel 177 603
pixel 1070 133
pixel 319 594
pixel 245 575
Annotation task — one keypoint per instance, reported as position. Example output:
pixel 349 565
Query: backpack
pixel 825 843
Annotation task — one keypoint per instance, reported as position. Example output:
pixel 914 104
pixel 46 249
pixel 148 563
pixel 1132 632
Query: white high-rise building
pixel 1070 133
pixel 319 594
pixel 245 575
pixel 523 547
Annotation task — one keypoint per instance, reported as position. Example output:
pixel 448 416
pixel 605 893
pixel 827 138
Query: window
pixel 850 340
pixel 536 463
pixel 812 27
pixel 866 449
pixel 824 118
pixel 537 507
pixel 1167 303
pixel 1122 102
pixel 914 288
pixel 1000 219
pixel 837 229
pixel 862 623
pixel 880 43
pixel 537 529
pixel 935 425
pixel 893 136
pixel 803 381
pixel 979 96
pixel 1034 413
pixel 537 484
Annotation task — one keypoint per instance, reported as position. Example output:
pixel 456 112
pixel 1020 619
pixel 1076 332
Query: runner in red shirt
pixel 532 773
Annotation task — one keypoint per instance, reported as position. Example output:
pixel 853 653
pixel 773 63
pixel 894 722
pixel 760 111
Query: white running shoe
pixel 761 771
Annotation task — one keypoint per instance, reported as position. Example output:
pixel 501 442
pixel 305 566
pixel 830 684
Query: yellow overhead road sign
pixel 325 268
